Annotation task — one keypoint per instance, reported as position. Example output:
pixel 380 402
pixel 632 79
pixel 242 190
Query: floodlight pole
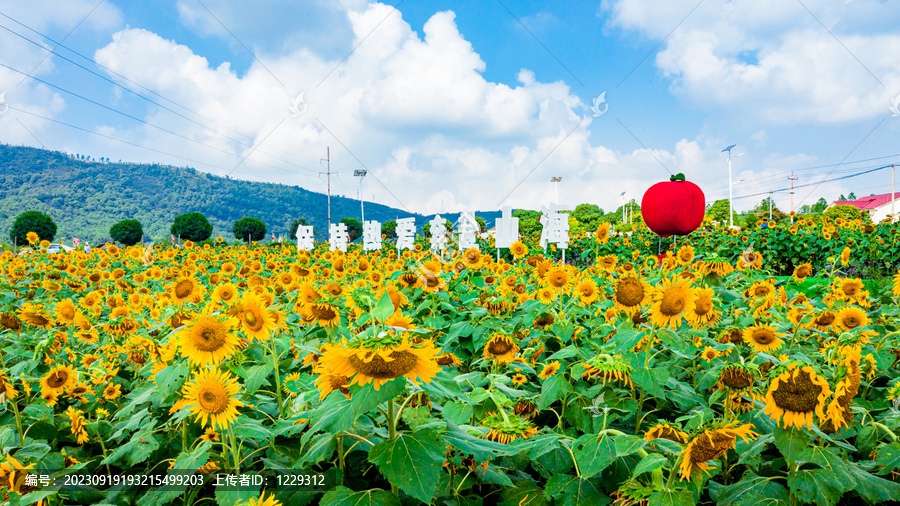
pixel 361 173
pixel 556 179
pixel 730 189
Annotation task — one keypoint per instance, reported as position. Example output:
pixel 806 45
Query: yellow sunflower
pixel 546 295
pixel 607 368
pixel 58 379
pixel 549 370
pixel 32 237
pixel 208 339
pixel 795 395
pixel 630 293
pixel 762 338
pixel 225 293
pixel 673 301
pixel 518 250
pixel 519 379
pixel 35 315
pixel 685 255
pixel 704 313
pixel 663 430
pixel 262 500
pixel 185 289
pixel 851 317
pixel 802 271
pixel 557 279
pixel 325 314
pixel 602 233
pixel 210 396
pixel 382 364
pixel 587 291
pixel 256 321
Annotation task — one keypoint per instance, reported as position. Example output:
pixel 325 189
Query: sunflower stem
pixel 234 450
pixel 400 411
pixel 574 461
pixel 277 376
pixel 674 471
pixel 340 450
pixel 392 434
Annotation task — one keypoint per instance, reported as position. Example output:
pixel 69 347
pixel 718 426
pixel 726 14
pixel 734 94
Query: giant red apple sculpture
pixel 674 207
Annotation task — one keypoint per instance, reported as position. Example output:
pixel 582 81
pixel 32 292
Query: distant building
pixel 878 206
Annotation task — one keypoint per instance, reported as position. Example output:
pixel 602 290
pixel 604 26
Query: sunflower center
pixel 629 292
pixel 710 446
pixel 323 312
pixel 184 288
pixel 761 291
pixel 763 336
pixel 58 379
pixel 850 289
pixel 802 272
pixel 703 306
pixel 798 394
pixel 402 362
pixel 250 318
pixel 673 303
pixel 558 279
pixel 499 347
pixel 209 337
pixel 213 398
pixel 825 319
pixel 851 322
pixel 737 378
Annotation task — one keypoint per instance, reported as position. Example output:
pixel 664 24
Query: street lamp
pixel 361 173
pixel 730 189
pixel 556 179
pixel 624 210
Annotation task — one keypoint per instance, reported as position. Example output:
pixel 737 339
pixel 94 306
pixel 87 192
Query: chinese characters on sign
pixel 554 220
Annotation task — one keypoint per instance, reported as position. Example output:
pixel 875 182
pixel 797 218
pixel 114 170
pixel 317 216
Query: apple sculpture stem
pixel 673 207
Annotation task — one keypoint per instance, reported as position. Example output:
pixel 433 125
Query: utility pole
pixel 770 207
pixel 361 174
pixel 893 217
pixel 328 172
pixel 792 178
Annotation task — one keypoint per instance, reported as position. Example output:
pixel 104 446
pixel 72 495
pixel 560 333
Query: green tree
pixel 127 232
pixel 389 229
pixel 249 229
pixel 529 226
pixel 842 197
pixel 588 216
pixel 426 229
pixel 820 205
pixel 192 227
pixel 32 221
pixel 354 227
pixel 845 211
pixel 719 210
pixel 481 224
pixel 295 224
pixel 852 196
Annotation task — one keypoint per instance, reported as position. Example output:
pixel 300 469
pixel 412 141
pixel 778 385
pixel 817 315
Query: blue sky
pixel 456 106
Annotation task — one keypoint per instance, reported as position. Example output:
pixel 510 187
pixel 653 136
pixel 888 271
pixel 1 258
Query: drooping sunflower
pixel 851 317
pixel 59 379
pixel 736 376
pixel 845 256
pixel 802 271
pixel 762 338
pixel 823 320
pixel 327 383
pixel 630 293
pixel 506 428
pixel 607 368
pixel 711 444
pixel 208 339
pixel 35 315
pixel 795 395
pixel 662 430
pixel 501 347
pixel 325 314
pixel 381 364
pixel 672 302
pixel 211 397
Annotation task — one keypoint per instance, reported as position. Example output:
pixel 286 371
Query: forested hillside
pixel 85 198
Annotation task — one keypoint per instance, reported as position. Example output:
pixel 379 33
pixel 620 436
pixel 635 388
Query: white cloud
pixel 772 60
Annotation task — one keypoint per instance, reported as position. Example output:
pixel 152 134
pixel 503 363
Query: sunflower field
pixel 264 375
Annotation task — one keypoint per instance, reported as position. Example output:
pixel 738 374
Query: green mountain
pixel 85 198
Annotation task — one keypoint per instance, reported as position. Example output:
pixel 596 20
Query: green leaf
pixel 552 390
pixel 627 444
pixel 594 456
pixel 649 463
pixel 250 428
pixel 457 412
pixel 889 457
pixel 194 460
pixel 749 450
pixel 335 414
pixel 567 352
pixel 139 449
pixel 384 308
pixel 256 375
pixel 343 496
pixel 672 498
pixel 790 442
pixel 366 398
pixel 574 491
pixel 170 379
pixel 537 445
pixel 815 486
pixel 524 493
pixel 651 380
pixel 322 447
pixel 752 490
pixel 872 488
pixel 412 462
pixel 626 337
pixel 231 496
pixel 480 449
